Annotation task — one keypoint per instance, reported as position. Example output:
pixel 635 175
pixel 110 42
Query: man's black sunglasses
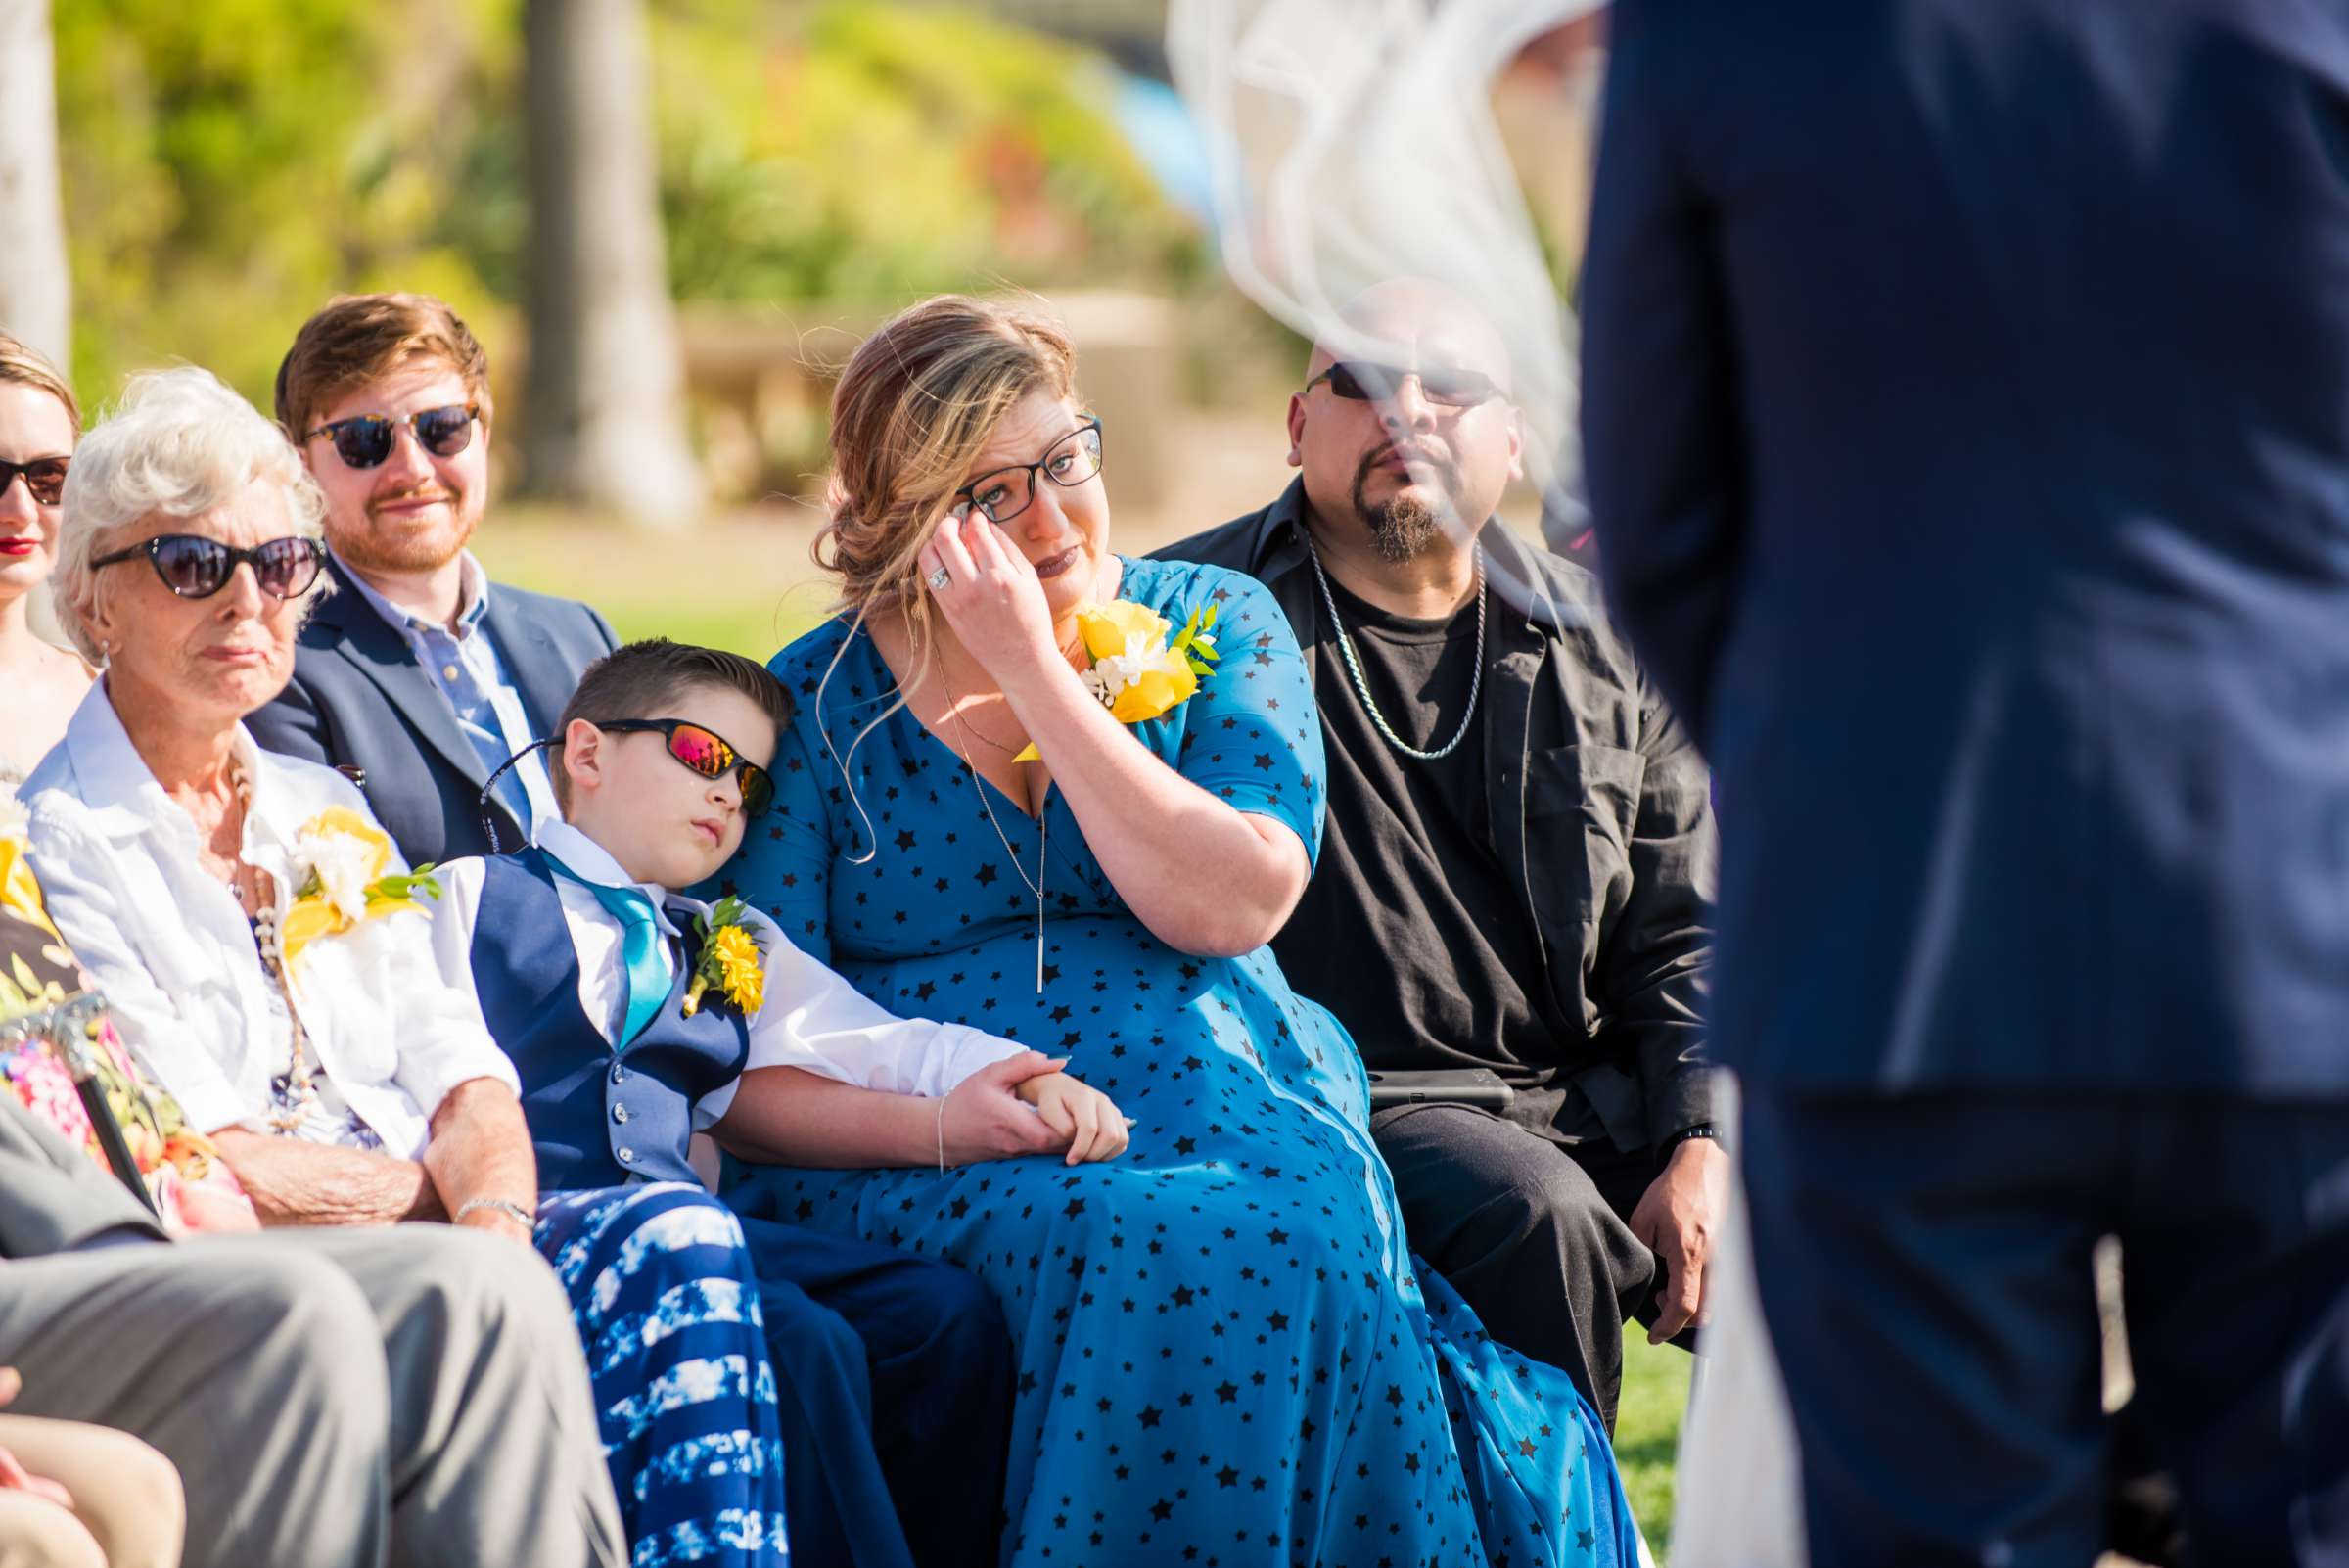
pixel 364 440
pixel 1362 382
pixel 704 751
pixel 44 477
pixel 197 568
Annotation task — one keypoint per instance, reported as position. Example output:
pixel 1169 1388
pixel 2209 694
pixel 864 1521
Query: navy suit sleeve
pixel 291 724
pixel 1662 439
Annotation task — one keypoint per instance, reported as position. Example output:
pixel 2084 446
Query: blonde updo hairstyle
pixel 915 404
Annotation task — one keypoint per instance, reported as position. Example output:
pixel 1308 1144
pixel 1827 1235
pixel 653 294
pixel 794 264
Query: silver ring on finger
pixel 939 579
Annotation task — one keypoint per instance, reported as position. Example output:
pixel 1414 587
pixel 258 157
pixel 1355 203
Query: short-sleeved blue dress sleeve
pixel 1251 736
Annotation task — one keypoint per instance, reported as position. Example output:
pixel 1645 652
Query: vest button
pixel 619 1112
pixel 620 1074
pixel 626 1156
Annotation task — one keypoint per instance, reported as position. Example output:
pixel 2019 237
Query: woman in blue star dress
pixel 1227 1354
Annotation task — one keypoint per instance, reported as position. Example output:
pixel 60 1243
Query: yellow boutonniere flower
pixel 1137 673
pixel 338 863
pixel 730 960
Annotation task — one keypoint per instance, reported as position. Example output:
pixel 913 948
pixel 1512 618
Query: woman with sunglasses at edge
pixel 39 683
pixel 1226 1350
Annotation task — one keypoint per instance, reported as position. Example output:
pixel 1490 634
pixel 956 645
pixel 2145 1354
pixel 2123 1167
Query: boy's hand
pixel 983 1119
pixel 1084 1116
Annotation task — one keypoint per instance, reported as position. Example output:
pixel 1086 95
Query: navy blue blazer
pixel 358 699
pixel 1966 418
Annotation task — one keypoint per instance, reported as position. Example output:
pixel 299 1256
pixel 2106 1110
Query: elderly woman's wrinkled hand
pixel 990 595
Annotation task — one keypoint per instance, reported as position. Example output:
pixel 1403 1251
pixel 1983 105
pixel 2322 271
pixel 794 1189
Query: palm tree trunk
pixel 603 418
pixel 35 287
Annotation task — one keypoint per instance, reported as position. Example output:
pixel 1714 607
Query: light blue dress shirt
pixel 465 668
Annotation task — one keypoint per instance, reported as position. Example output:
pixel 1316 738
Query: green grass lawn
pixel 747 584
pixel 1648 1430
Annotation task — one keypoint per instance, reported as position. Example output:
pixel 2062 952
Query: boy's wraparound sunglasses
pixel 197 568
pixel 704 751
pixel 44 477
pixel 364 440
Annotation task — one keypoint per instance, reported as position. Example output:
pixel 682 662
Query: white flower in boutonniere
pixel 1138 672
pixel 338 868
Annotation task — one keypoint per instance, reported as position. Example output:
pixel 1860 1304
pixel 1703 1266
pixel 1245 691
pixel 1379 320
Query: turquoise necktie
pixel 642 946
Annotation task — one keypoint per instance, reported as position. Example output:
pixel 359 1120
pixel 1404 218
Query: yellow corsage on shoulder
pixel 340 878
pixel 730 960
pixel 1137 671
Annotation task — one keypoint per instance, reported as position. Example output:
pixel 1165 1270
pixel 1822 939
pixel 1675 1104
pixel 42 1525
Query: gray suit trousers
pixel 333 1399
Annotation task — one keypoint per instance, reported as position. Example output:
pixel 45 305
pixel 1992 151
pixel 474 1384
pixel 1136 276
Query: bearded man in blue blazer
pixel 1967 415
pixel 418 676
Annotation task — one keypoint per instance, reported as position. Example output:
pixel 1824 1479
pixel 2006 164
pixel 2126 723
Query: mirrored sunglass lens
pixel 757 791
pixel 285 567
pixel 363 443
pixel 46 481
pixel 700 750
pixel 190 566
pixel 445 431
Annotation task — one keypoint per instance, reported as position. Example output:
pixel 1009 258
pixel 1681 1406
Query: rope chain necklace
pixel 1044 821
pixel 1361 688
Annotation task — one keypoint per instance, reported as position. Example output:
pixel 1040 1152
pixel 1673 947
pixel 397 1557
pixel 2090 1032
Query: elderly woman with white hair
pixel 271 961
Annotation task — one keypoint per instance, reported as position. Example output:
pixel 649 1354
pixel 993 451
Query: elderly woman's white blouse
pixel 168 945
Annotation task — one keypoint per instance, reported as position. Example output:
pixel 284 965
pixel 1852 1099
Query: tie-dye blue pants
pixel 666 1306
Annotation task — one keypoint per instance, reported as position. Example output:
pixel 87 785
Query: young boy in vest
pixel 632 1013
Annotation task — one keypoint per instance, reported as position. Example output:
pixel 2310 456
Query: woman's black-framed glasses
pixel 364 440
pixel 706 752
pixel 197 568
pixel 1003 494
pixel 1360 381
pixel 44 477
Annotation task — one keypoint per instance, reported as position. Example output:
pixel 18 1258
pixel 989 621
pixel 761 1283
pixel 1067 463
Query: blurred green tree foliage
pixel 229 163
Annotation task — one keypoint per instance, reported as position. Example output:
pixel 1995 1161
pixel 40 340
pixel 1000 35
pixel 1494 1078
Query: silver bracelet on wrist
pixel 505 1206
pixel 941 1134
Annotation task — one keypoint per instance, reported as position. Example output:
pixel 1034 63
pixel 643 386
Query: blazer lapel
pixel 384 658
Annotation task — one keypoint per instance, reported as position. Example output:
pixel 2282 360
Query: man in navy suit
pixel 1967 427
pixel 418 674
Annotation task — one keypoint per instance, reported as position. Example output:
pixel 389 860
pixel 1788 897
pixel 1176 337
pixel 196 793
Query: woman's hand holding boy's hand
pixel 1084 1117
pixel 987 1116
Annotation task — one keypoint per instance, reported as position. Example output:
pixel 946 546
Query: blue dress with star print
pixel 1227 1355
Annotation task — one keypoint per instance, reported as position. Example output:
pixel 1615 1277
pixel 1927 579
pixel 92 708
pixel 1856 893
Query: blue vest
pixel 599 1118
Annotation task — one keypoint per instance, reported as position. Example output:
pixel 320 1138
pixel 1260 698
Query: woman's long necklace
pixel 1476 679
pixel 1044 821
pixel 294 1094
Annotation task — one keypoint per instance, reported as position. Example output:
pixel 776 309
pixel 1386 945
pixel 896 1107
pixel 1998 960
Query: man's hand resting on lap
pixel 1678 1216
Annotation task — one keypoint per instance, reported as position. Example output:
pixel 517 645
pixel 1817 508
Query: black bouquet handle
pixel 69 1031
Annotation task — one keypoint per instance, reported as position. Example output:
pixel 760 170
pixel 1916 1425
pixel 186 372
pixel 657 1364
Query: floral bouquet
pixel 43 996
pixel 1137 671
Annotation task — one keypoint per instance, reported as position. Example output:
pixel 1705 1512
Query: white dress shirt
pixel 168 944
pixel 811 1018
